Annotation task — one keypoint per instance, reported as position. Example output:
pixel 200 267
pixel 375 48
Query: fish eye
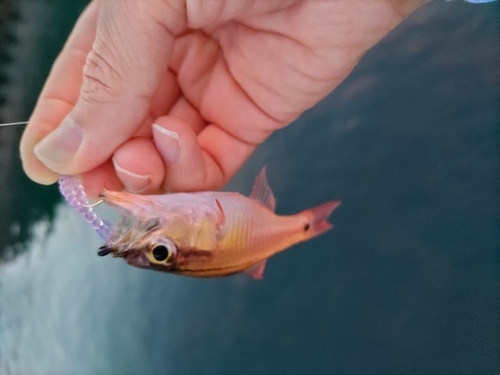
pixel 163 253
pixel 306 227
pixel 160 253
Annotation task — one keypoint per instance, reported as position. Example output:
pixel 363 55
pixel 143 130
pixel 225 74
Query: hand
pixel 216 78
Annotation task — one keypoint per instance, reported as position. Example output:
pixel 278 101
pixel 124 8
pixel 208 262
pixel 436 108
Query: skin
pixel 223 75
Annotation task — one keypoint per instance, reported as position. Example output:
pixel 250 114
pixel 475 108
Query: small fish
pixel 208 234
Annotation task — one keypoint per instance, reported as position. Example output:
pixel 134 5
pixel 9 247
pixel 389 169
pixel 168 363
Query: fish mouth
pixel 136 258
pixel 104 250
pixel 133 257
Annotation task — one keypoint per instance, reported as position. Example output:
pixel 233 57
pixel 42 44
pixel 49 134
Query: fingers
pixel 121 74
pixel 99 179
pixel 179 159
pixel 198 156
pixel 139 166
pixel 205 162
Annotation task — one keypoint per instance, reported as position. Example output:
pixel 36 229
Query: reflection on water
pixel 99 313
pixel 407 282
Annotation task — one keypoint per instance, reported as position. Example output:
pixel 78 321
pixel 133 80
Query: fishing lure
pixel 72 190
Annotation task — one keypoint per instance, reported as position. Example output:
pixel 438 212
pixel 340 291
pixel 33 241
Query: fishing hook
pixel 92 205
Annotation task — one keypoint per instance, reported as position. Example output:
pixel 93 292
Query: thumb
pixel 130 54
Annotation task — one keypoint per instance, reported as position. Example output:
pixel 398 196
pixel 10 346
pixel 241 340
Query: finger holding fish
pixel 197 161
pixel 139 166
pixel 204 234
pixel 99 179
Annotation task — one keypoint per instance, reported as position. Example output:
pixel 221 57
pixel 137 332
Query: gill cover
pixel 190 221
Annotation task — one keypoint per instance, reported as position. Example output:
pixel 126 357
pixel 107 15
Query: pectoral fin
pixel 207 235
pixel 257 270
pixel 205 238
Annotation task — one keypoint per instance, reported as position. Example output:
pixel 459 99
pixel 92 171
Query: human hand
pixel 215 77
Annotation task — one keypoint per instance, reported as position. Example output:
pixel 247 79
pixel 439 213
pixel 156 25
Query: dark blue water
pixel 407 282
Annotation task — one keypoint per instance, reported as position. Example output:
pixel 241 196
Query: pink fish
pixel 208 234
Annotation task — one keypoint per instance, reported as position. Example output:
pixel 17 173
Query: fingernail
pixel 134 183
pixel 167 142
pixel 60 146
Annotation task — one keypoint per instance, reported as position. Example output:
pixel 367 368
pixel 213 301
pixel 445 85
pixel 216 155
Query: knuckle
pixel 102 81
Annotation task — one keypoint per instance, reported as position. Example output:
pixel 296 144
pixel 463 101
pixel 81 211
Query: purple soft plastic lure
pixel 72 190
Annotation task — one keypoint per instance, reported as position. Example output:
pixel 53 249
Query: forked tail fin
pixel 318 223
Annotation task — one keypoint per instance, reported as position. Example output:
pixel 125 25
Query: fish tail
pixel 318 223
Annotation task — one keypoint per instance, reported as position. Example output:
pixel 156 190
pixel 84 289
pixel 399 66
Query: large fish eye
pixel 163 253
pixel 160 253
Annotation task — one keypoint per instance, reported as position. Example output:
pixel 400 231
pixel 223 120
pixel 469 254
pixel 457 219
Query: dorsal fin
pixel 261 192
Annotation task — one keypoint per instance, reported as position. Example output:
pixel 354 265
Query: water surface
pixel 407 282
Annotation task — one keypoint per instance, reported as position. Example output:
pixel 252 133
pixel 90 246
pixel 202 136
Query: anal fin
pixel 257 270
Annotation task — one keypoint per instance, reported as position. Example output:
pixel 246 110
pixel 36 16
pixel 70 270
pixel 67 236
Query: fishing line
pixel 15 123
